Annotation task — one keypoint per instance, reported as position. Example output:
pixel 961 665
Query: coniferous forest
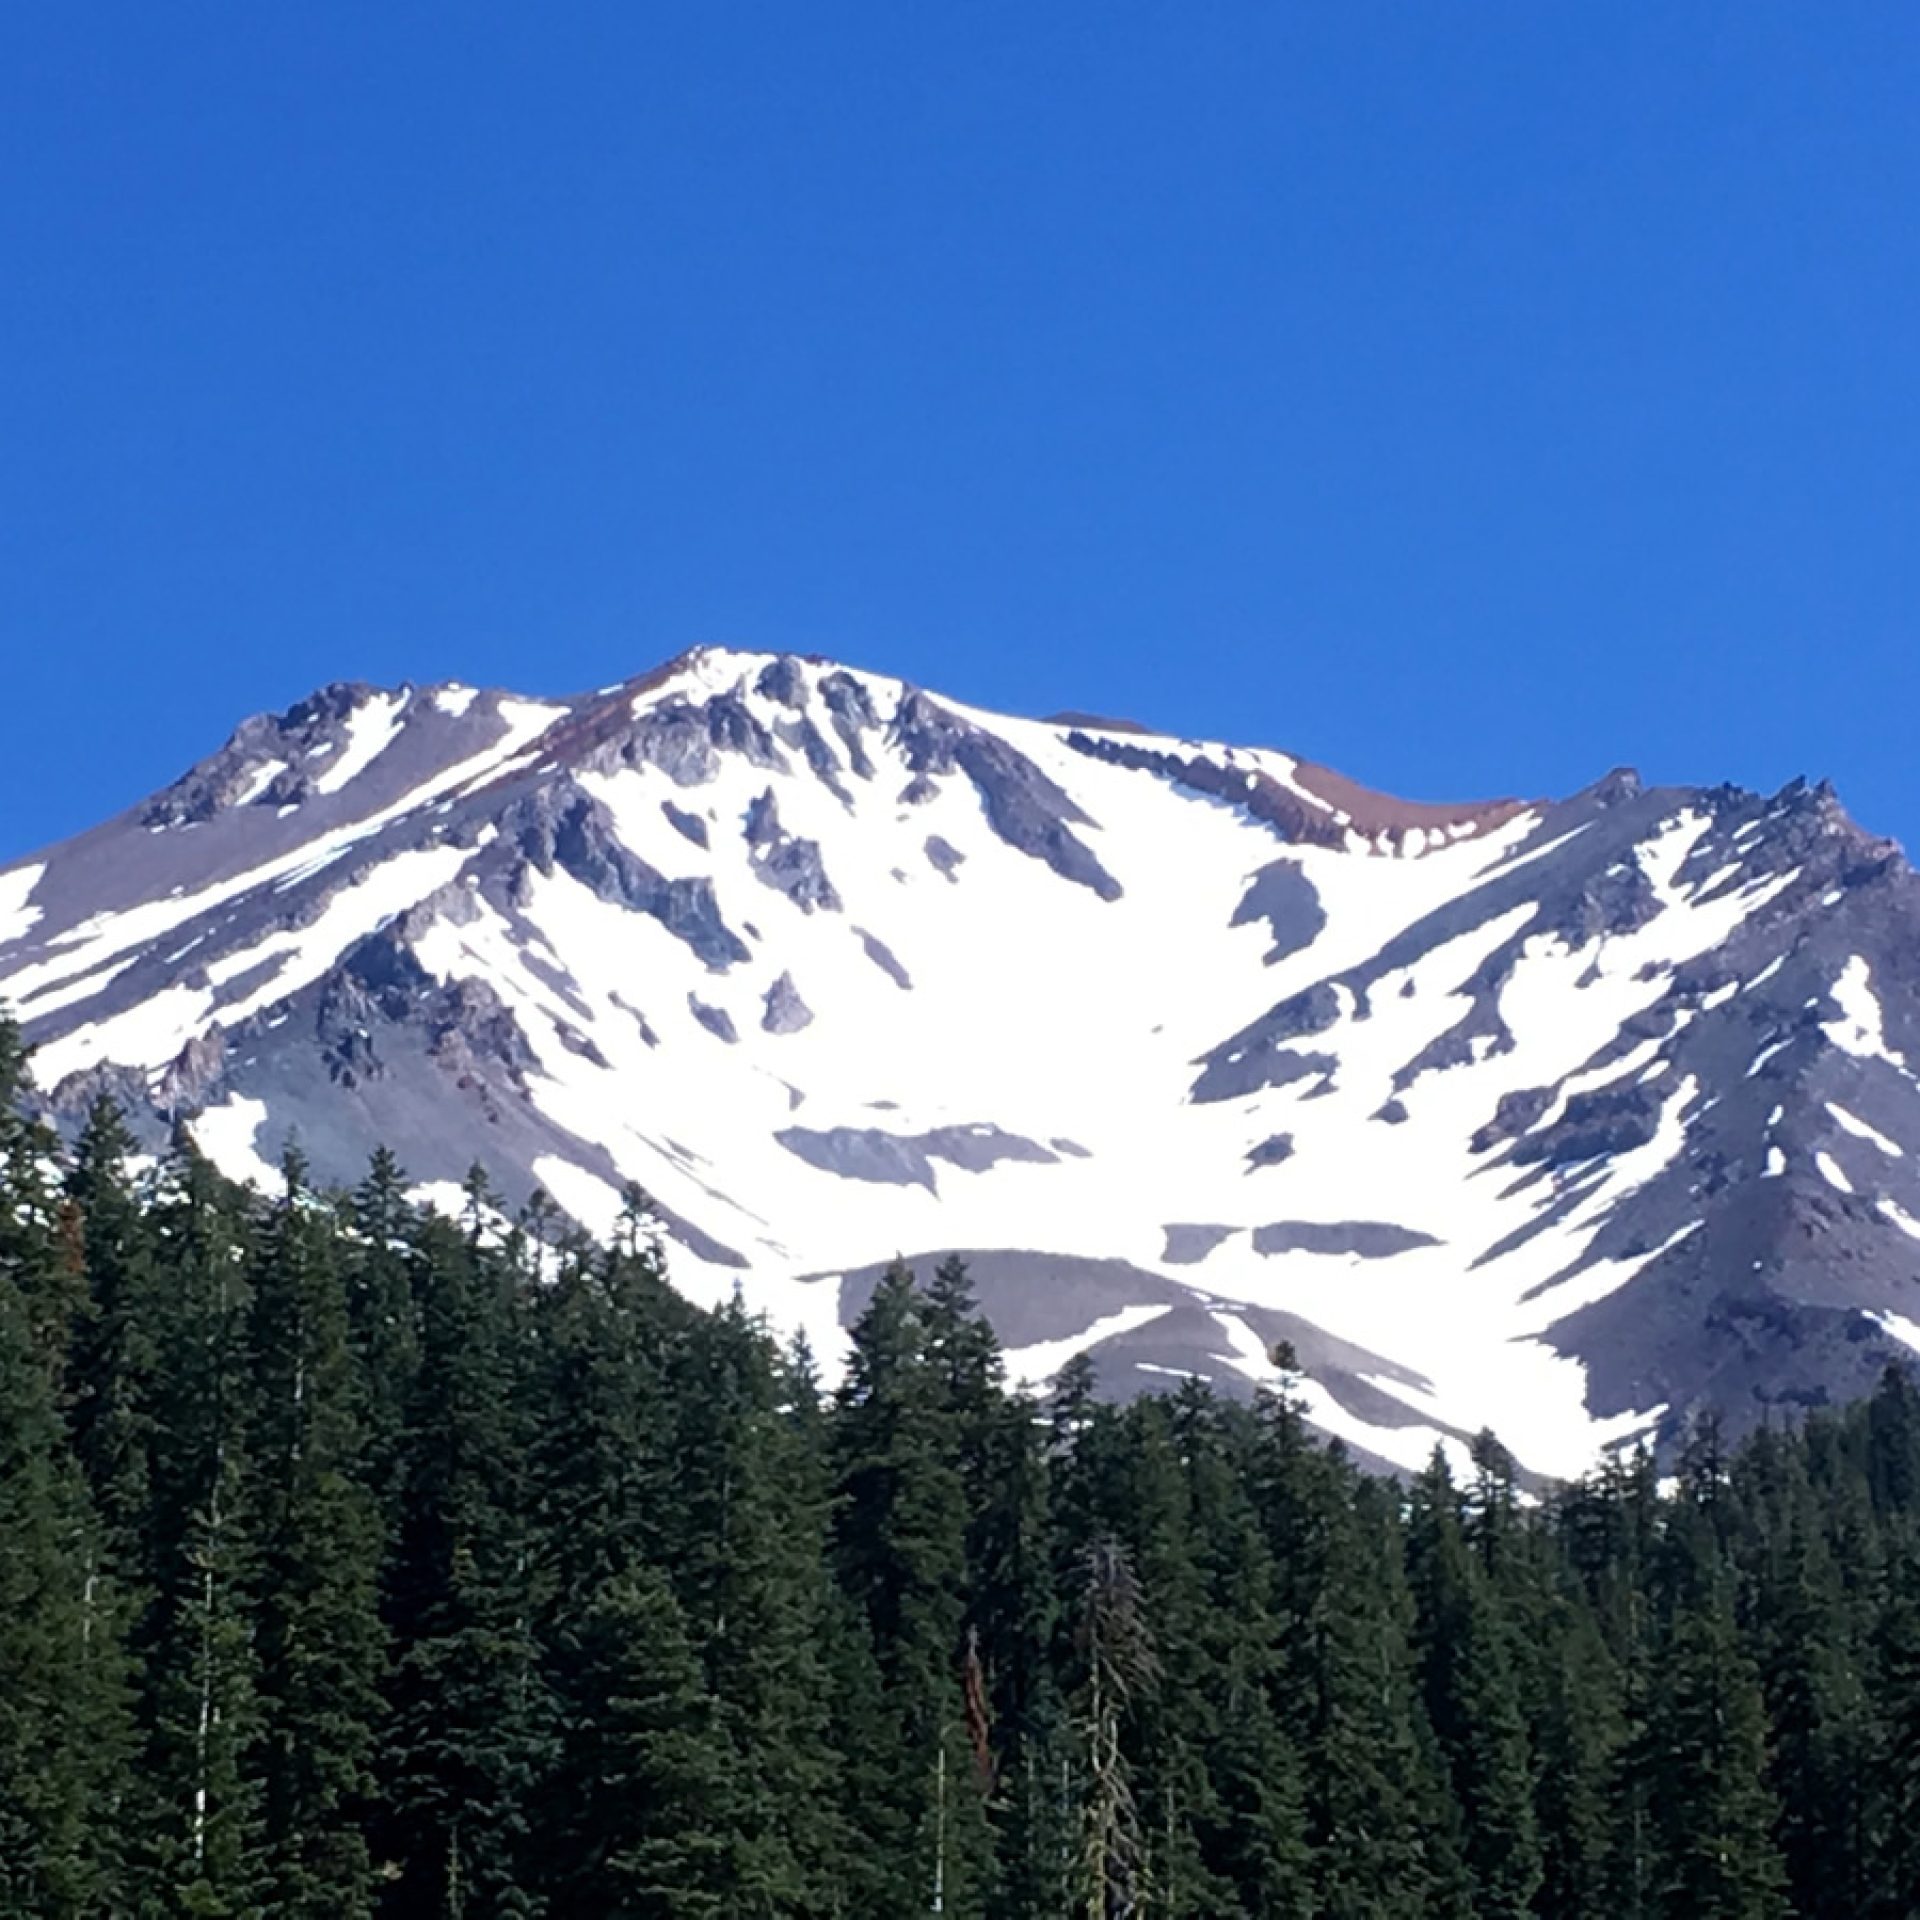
pixel 356 1561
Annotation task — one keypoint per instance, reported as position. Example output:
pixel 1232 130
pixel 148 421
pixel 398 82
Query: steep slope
pixel 1565 1118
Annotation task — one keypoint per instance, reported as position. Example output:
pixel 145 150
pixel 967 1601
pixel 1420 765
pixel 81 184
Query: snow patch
pixel 1031 1367
pixel 1860 1030
pixel 371 729
pixel 1831 1173
pixel 1862 1131
pixel 16 890
pixel 227 1135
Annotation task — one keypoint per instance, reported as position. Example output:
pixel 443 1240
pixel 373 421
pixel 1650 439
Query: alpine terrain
pixel 1566 1118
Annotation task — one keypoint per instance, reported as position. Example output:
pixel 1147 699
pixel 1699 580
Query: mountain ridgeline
pixel 1571 1119
pixel 359 1561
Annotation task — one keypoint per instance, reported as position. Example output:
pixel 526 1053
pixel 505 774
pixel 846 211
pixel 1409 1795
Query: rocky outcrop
pixel 785 1011
pixel 1026 809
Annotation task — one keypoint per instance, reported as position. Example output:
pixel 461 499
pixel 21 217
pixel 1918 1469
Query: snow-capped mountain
pixel 1564 1118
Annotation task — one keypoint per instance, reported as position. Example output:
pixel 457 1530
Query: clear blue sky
pixel 1470 396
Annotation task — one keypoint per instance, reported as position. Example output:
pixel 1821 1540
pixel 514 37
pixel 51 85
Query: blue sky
pixel 1471 397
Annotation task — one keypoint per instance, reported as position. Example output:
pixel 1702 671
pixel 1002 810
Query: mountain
pixel 1567 1118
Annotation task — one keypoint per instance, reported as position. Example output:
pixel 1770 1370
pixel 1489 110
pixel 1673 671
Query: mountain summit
pixel 1565 1118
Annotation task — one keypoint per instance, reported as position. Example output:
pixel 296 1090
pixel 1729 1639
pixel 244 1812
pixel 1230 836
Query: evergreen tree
pixel 1472 1700
pixel 900 1547
pixel 1894 1751
pixel 321 1648
pixel 469 1734
pixel 378 1268
pixel 647 1762
pixel 1117 1649
pixel 111 1358
pixel 65 1731
pixel 64 1736
pixel 200 1824
pixel 1712 1816
pixel 753 1502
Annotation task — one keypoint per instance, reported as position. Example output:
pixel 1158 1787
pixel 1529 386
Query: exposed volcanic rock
pixel 1380 816
pixel 717 1020
pixel 810 743
pixel 1258 1056
pixel 561 826
pixel 1095 722
pixel 1368 1239
pixel 1580 1116
pixel 786 864
pixel 1319 808
pixel 851 707
pixel 1283 896
pixel 688 825
pixel 1027 809
pixel 785 1011
pixel 783 680
pixel 882 957
pixel 943 856
pixel 258 764
pixel 867 1153
pixel 1189 1243
pixel 1608 1120
pixel 192 1075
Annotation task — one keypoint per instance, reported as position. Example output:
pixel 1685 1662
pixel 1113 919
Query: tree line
pixel 357 1561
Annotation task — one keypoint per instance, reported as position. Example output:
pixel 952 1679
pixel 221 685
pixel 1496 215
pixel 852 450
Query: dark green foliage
pixel 358 1562
pixel 320 1644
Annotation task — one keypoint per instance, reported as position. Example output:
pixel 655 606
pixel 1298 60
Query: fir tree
pixel 200 1828
pixel 1712 1815
pixel 321 1645
pixel 469 1734
pixel 1472 1700
pixel 66 1738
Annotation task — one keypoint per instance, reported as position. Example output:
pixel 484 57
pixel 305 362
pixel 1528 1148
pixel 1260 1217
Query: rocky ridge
pixel 1569 1118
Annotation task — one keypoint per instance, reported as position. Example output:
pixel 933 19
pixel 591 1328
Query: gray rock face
pixel 717 1020
pixel 561 826
pixel 1282 895
pixel 1189 1244
pixel 867 1153
pixel 944 858
pixel 303 735
pixel 786 1011
pixel 689 825
pixel 1369 1239
pixel 1258 1056
pixel 786 864
pixel 882 957
pixel 851 708
pixel 1272 1151
pixel 1023 806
